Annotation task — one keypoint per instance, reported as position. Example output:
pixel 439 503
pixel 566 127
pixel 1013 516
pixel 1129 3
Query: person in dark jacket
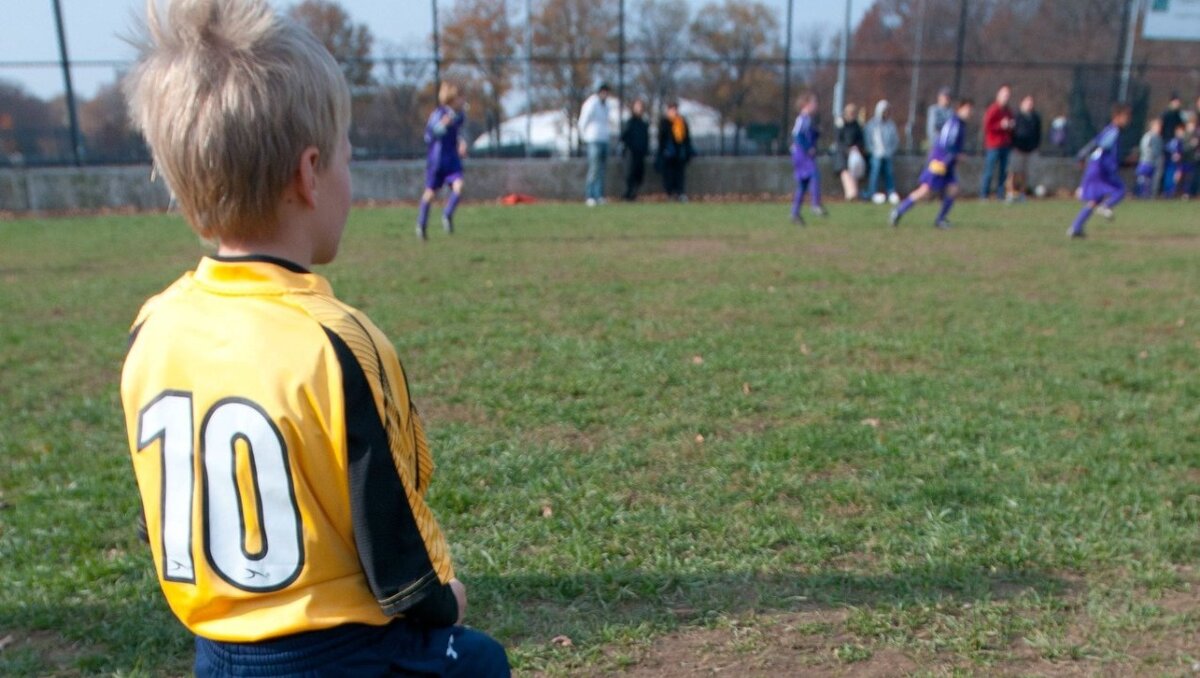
pixel 635 140
pixel 1027 136
pixel 675 151
pixel 850 161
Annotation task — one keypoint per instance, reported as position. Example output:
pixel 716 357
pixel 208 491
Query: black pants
pixel 635 173
pixel 673 176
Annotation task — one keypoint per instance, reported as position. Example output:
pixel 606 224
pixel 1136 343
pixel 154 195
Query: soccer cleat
pixel 1105 211
pixel 798 220
pixel 1072 233
pixel 943 224
pixel 421 233
pixel 894 218
pixel 820 211
pixel 448 224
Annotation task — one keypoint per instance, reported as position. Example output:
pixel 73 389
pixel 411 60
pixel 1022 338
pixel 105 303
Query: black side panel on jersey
pixel 390 548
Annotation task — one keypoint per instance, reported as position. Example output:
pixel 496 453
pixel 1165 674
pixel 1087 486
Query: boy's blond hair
pixel 447 93
pixel 228 95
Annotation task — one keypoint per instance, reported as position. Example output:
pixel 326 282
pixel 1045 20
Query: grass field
pixel 692 438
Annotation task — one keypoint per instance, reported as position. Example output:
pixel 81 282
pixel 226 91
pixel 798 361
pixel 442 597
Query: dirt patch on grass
pixel 807 643
pixel 52 650
pixel 709 248
pixel 816 642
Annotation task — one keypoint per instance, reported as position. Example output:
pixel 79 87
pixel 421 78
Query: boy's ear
pixel 304 183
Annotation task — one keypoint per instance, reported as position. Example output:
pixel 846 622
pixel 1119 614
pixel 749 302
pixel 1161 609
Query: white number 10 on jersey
pixel 251 536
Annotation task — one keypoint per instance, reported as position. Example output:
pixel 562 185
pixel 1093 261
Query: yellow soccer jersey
pixel 281 464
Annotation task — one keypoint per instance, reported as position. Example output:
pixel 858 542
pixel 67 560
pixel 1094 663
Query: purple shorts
pixel 804 167
pixel 1098 187
pixel 436 177
pixel 938 183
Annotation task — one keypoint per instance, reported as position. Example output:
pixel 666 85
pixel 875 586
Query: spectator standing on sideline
pixel 1172 118
pixel 1150 161
pixel 593 131
pixel 1027 137
pixel 1190 178
pixel 635 142
pixel 997 139
pixel 675 151
pixel 882 141
pixel 1058 135
pixel 851 152
pixel 937 115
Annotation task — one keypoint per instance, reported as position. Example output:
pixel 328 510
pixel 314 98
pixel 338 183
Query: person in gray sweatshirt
pixel 882 141
pixel 1150 161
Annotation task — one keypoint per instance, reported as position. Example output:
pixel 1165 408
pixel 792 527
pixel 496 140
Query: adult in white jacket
pixel 593 131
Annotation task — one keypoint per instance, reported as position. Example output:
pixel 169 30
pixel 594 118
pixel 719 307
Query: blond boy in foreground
pixel 281 463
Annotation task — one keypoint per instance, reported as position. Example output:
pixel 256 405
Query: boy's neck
pixel 279 250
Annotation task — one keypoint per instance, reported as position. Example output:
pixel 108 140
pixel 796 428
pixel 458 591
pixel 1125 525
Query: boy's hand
pixel 460 594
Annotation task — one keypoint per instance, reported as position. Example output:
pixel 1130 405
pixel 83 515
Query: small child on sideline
pixel 1173 166
pixel 1150 157
pixel 1102 187
pixel 804 164
pixel 443 162
pixel 939 174
pixel 281 463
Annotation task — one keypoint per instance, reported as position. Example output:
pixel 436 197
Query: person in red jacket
pixel 998 124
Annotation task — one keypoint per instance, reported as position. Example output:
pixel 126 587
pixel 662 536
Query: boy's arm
pixel 396 557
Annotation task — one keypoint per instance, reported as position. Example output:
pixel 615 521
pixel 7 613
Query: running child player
pixel 281 464
pixel 938 176
pixel 443 162
pixel 804 163
pixel 1102 187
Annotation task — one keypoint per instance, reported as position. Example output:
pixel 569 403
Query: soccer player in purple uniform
pixel 443 163
pixel 1102 187
pixel 804 151
pixel 938 175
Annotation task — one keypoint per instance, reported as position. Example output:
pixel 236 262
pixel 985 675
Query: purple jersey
pixel 1103 161
pixel 1101 180
pixel 949 142
pixel 946 147
pixel 443 139
pixel 804 145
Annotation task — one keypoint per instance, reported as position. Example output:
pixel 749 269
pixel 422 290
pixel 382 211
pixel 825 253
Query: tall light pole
pixel 437 54
pixel 958 55
pixel 72 117
pixel 528 78
pixel 1133 10
pixel 839 92
pixel 787 73
pixel 620 63
pixel 914 91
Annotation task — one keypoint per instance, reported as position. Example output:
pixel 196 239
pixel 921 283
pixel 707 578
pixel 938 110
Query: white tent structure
pixel 552 133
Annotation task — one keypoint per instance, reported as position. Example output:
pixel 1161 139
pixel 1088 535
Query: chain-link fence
pixel 524 103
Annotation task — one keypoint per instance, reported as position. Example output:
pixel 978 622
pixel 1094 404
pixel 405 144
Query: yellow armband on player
pixel 937 168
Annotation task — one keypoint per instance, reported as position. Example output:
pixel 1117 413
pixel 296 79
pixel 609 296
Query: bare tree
pixel 478 42
pixel 660 43
pixel 571 40
pixel 348 42
pixel 736 38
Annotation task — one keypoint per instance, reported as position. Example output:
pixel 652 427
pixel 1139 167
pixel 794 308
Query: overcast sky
pixel 93 26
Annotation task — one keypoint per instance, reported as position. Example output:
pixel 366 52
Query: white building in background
pixel 552 132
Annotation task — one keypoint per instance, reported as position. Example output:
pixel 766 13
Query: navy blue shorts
pixel 353 650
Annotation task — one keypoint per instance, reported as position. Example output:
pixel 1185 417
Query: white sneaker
pixel 894 198
pixel 590 202
pixel 1105 212
pixel 879 198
